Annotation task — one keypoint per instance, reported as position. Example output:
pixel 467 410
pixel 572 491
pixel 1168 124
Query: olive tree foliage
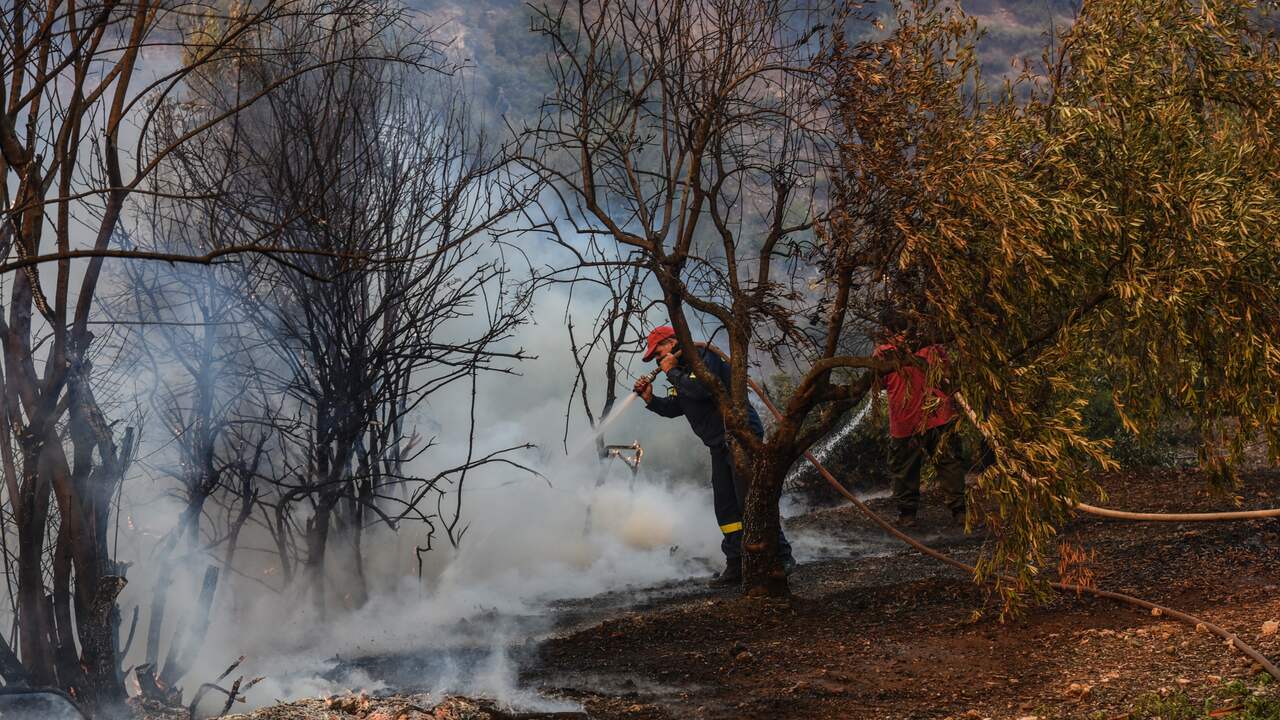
pixel 1116 227
pixel 1104 219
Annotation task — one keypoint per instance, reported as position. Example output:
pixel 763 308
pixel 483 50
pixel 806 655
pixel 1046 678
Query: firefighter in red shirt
pixel 920 417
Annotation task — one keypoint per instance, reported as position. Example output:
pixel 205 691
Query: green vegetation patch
pixel 1235 700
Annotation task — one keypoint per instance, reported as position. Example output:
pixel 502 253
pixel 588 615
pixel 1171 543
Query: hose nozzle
pixel 652 375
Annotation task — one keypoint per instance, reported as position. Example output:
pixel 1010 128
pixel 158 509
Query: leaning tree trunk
pixel 761 523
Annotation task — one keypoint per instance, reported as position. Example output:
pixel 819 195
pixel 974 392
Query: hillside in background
pixel 494 37
pixel 1017 29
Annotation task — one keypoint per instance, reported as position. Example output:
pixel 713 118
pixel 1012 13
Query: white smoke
pixel 529 544
pixel 581 529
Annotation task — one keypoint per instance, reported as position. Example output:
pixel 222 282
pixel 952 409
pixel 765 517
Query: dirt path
pixel 899 636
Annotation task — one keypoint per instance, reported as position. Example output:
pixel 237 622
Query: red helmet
pixel 657 335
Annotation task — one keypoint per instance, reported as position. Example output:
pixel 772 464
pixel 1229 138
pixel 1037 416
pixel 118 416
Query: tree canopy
pixel 1108 220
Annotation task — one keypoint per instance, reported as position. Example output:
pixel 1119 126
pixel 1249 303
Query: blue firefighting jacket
pixel 690 398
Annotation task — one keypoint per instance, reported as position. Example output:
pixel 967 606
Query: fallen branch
pixel 230 669
pixel 233 695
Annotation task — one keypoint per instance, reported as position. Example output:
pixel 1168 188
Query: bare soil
pixel 875 630
pixel 897 635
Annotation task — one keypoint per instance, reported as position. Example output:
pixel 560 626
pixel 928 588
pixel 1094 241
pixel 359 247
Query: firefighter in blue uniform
pixel 688 397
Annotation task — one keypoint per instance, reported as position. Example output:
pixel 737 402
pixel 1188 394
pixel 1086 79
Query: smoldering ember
pixel 640 359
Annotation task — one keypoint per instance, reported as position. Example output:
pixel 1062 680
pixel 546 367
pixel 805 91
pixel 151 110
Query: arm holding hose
pixel 686 384
pixel 668 407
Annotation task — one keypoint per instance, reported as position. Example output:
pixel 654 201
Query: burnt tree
pixel 73 93
pixel 387 175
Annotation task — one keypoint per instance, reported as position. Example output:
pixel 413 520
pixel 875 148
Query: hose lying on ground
pixel 1141 516
pixel 1155 609
pixel 1177 517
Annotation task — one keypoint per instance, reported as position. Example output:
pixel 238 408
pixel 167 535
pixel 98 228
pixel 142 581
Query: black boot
pixel 730 576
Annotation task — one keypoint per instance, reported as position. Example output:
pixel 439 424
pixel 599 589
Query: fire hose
pixel 1197 623
pixel 1154 608
pixel 1178 517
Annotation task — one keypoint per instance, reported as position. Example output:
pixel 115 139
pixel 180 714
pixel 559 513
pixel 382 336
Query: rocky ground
pixel 885 633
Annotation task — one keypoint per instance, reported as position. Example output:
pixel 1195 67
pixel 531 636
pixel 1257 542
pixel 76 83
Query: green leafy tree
pixel 1105 223
pixel 1117 228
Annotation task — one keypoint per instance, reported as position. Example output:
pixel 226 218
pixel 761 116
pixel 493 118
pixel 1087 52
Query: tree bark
pixel 762 569
pixel 34 623
pixel 68 661
pixel 317 543
pixel 103 691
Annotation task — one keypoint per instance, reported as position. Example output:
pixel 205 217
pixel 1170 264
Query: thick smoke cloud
pixel 577 529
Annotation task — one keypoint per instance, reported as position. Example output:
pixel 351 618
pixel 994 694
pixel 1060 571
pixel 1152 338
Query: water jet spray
pixel 634 461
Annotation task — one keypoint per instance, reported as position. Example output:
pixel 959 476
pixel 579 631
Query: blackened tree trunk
pixel 317 544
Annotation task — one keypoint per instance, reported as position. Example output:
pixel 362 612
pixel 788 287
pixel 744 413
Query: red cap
pixel 657 335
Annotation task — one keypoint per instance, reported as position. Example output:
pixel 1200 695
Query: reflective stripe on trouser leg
pixel 725 501
pixel 729 496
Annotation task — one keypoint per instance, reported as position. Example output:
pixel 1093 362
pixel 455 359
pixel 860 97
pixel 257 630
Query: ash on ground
pixel 363 706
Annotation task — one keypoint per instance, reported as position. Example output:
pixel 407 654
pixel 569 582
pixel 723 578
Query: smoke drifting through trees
pixel 305 135
pixel 787 176
pixel 693 137
pixel 777 172
pixel 355 161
